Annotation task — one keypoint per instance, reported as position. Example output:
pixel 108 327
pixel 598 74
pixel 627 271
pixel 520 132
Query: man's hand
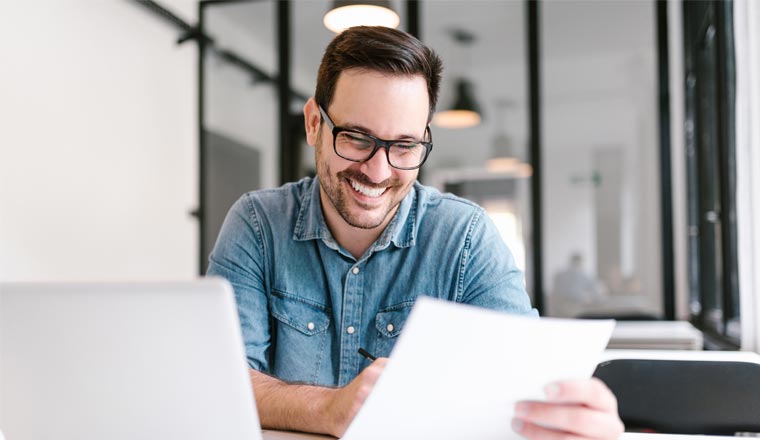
pixel 580 409
pixel 310 408
pixel 347 401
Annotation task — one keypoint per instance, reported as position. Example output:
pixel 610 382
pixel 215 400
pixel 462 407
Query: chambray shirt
pixel 306 304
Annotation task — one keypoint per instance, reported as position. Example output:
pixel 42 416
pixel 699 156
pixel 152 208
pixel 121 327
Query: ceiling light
pixel 346 13
pixel 464 113
pixel 502 158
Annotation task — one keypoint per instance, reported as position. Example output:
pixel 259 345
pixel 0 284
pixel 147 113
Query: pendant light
pixel 348 13
pixel 503 157
pixel 465 111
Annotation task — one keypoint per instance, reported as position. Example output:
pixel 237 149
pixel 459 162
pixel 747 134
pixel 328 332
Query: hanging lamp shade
pixel 502 158
pixel 524 169
pixel 348 13
pixel 464 113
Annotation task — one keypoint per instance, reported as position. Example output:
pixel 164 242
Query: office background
pixel 99 161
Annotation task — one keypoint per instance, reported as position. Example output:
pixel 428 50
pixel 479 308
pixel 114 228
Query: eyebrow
pixel 366 130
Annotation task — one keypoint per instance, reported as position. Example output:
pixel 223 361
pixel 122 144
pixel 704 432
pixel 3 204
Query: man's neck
pixel 354 240
pixel 357 240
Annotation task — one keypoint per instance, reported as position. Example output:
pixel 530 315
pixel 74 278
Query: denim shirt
pixel 306 304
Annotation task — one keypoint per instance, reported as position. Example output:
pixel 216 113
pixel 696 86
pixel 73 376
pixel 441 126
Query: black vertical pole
pixel 666 198
pixel 287 156
pixel 413 27
pixel 413 17
pixel 201 211
pixel 727 152
pixel 534 105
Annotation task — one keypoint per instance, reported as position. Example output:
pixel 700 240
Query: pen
pixel 366 354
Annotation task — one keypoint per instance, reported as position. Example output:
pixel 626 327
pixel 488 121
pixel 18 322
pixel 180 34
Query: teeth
pixel 367 191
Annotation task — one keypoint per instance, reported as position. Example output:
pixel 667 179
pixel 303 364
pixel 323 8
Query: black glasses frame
pixel 379 143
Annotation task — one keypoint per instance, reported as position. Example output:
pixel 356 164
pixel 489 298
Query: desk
pixel 285 435
pixel 683 355
pixel 661 335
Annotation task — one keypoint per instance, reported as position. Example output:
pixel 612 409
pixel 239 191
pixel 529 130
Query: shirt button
pixel 350 329
pixel 310 326
pixel 390 327
pixel 355 270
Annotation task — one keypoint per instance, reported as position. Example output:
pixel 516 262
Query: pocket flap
pixel 390 321
pixel 307 318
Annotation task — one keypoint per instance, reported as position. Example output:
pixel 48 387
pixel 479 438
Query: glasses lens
pixel 406 155
pixel 353 146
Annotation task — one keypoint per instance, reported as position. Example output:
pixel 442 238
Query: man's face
pixel 366 195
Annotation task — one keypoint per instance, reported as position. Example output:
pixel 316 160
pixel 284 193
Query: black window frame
pixel 711 171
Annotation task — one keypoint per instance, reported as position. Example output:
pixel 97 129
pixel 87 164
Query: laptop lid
pixel 123 361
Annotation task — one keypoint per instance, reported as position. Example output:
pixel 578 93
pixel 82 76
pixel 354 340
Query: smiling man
pixel 324 266
pixel 361 189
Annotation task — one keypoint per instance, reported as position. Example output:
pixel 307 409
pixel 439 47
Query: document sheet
pixel 457 371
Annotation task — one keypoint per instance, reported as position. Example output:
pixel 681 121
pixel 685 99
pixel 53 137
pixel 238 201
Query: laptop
pixel 123 361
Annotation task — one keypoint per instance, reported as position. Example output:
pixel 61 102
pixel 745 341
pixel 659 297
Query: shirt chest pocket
pixel 308 319
pixel 389 322
pixel 301 337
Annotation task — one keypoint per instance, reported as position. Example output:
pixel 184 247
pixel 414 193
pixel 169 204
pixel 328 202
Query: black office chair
pixel 685 397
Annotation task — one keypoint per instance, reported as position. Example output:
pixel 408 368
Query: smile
pixel 365 190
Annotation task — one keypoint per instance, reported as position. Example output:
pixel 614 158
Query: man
pixel 324 266
pixel 574 290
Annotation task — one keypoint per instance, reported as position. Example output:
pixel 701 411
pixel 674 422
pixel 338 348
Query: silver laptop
pixel 123 361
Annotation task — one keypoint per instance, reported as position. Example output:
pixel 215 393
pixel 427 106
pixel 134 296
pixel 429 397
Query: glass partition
pixel 240 145
pixel 482 44
pixel 602 217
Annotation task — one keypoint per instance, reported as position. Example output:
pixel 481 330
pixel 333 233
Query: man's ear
pixel 312 121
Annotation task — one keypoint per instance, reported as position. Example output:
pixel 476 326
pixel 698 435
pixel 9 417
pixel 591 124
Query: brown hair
pixel 379 49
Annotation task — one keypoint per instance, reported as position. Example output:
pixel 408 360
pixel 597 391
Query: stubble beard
pixel 334 188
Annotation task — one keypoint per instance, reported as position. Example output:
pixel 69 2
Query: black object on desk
pixel 683 396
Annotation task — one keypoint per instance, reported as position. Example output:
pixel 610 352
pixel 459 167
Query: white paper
pixel 457 371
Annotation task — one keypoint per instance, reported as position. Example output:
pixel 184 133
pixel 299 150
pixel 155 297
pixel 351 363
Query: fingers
pixel 366 380
pixel 376 367
pixel 592 393
pixel 569 419
pixel 349 399
pixel 532 431
pixel 574 409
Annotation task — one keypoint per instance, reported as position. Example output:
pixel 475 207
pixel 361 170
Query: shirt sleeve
pixel 239 256
pixel 489 276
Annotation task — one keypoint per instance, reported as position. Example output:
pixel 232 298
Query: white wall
pixel 98 143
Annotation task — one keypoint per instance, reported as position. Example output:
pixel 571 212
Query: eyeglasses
pixel 360 147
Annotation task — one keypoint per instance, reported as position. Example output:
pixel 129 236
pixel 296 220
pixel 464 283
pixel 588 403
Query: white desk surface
pixel 285 435
pixel 690 355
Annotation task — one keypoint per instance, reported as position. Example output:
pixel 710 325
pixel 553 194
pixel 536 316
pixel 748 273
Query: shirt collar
pixel 401 231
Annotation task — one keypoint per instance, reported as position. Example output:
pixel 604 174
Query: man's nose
pixel 377 168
